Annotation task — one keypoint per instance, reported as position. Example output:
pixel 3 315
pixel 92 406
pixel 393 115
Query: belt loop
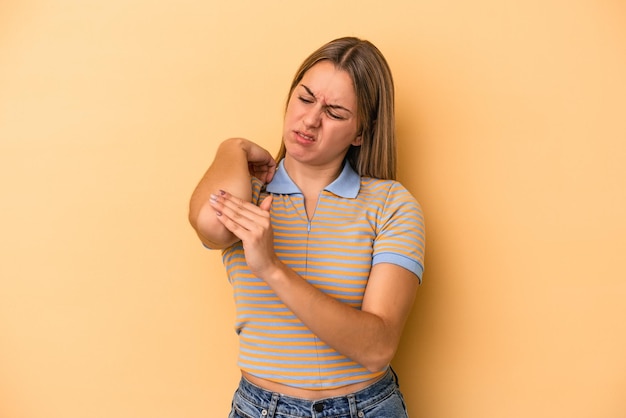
pixel 352 404
pixel 395 376
pixel 271 409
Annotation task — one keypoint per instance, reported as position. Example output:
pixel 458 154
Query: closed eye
pixel 333 115
pixel 330 109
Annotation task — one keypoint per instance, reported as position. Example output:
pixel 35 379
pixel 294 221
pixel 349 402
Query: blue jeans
pixel 382 399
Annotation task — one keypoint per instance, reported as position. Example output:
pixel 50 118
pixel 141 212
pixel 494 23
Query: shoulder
pixel 389 190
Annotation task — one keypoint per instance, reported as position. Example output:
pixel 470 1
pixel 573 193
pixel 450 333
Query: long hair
pixel 373 85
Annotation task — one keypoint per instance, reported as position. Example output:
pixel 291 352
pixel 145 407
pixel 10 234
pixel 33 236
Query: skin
pixel 236 159
pixel 320 125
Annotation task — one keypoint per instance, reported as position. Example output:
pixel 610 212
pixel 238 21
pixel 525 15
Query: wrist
pixel 275 272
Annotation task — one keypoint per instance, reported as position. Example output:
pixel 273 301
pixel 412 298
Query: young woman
pixel 323 248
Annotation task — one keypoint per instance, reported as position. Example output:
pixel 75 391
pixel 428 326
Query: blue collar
pixel 347 185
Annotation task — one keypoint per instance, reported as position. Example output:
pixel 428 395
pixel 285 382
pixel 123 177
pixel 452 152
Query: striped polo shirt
pixel 358 222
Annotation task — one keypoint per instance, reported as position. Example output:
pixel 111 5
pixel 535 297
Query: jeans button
pixel 318 407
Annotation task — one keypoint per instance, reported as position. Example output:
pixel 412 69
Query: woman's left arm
pixel 369 336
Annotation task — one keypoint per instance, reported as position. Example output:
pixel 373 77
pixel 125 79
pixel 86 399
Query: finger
pixel 237 204
pixel 240 213
pixel 263 170
pixel 239 225
pixel 231 210
pixel 271 171
pixel 266 204
pixel 235 227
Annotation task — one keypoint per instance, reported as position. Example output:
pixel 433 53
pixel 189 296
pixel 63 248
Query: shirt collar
pixel 347 185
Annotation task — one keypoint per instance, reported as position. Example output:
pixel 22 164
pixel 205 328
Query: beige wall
pixel 512 136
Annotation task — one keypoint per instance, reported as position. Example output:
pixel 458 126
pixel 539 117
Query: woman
pixel 323 247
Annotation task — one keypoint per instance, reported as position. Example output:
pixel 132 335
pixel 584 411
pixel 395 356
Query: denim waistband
pixel 346 404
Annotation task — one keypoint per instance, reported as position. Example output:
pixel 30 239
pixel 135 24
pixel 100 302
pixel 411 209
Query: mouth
pixel 305 136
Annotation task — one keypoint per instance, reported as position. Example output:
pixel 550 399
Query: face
pixel 321 118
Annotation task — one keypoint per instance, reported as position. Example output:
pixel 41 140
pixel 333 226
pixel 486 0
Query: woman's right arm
pixel 235 161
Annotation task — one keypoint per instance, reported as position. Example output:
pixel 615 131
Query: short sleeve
pixel 401 237
pixel 257 190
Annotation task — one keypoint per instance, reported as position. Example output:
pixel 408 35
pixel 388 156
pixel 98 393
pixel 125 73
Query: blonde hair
pixel 373 85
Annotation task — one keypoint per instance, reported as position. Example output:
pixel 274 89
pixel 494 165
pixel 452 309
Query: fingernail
pixel 213 198
pixel 218 213
pixel 222 192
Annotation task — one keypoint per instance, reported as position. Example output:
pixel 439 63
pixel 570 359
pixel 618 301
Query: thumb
pixel 266 204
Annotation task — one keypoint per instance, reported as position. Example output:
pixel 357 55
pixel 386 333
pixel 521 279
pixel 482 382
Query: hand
pixel 252 225
pixel 261 164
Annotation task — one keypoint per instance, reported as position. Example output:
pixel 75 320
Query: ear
pixel 358 141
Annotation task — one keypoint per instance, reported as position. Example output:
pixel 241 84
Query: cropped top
pixel 358 222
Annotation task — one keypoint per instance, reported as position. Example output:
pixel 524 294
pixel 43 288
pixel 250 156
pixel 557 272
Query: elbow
pixel 194 216
pixel 379 360
pixel 193 220
pixel 212 234
pixel 375 368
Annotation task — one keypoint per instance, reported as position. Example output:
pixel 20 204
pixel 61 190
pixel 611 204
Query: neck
pixel 311 179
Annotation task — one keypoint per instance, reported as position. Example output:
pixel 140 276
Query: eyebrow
pixel 332 106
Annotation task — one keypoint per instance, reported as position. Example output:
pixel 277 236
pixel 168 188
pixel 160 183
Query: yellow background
pixel 512 134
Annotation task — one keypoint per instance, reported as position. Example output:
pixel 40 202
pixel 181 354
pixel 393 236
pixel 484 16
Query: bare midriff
pixel 308 394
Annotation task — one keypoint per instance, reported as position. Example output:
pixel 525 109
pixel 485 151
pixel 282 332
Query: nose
pixel 313 117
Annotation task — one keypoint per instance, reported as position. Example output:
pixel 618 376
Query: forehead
pixel 329 83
